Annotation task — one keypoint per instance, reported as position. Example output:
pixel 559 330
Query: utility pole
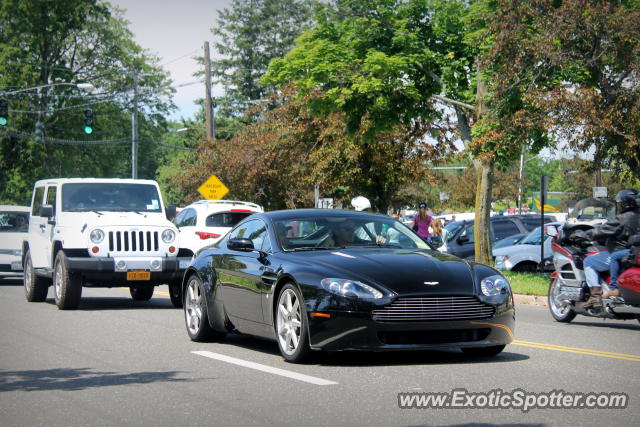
pixel 208 108
pixel 134 129
pixel 520 180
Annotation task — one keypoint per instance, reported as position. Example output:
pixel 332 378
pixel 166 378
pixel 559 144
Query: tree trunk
pixel 482 236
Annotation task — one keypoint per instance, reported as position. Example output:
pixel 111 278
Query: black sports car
pixel 342 280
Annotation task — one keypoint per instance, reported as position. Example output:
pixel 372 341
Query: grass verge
pixel 528 283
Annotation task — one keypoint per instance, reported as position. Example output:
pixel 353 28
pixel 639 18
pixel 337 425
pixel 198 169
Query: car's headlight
pixel 501 259
pixel 97 236
pixel 494 285
pixel 168 236
pixel 350 288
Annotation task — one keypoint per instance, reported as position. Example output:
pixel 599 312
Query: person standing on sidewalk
pixel 422 222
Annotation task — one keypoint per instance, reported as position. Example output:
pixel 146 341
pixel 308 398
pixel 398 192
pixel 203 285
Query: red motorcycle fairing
pixel 629 284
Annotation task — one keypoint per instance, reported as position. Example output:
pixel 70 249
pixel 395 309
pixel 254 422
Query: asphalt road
pixel 119 362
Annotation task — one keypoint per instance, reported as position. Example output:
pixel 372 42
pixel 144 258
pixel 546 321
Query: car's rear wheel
pixel 141 293
pixel 292 326
pixel 35 288
pixel 561 311
pixel 195 313
pixel 484 351
pixel 175 293
pixel 67 286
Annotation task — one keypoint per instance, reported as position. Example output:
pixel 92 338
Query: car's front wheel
pixel 292 326
pixel 175 293
pixel 484 351
pixel 35 288
pixel 195 313
pixel 141 293
pixel 67 286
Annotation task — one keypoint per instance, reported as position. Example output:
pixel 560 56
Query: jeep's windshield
pixel 103 196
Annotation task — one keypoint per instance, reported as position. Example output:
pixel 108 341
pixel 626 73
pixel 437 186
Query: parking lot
pixel 117 361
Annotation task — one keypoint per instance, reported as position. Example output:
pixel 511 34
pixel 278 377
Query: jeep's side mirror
pixel 170 211
pixel 240 244
pixel 46 211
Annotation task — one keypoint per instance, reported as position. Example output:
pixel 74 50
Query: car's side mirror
pixel 46 211
pixel 463 239
pixel 240 244
pixel 551 230
pixel 170 211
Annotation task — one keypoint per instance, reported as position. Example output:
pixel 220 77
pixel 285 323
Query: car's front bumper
pixel 358 331
pixel 103 271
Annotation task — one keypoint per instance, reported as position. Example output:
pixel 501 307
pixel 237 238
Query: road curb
pixel 537 300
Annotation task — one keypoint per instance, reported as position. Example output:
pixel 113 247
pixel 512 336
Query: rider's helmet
pixel 627 200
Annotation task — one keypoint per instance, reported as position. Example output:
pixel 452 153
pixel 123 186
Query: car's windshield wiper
pixel 310 248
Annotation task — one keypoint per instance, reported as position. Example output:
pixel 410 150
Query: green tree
pixel 45 43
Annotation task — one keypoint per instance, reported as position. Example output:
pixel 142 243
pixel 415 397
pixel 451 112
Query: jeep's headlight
pixel 96 236
pixel 168 236
pixel 350 288
pixel 494 285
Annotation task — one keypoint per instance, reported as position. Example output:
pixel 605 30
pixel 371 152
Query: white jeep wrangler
pixel 102 233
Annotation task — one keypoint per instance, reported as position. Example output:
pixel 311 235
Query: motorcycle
pixel 568 290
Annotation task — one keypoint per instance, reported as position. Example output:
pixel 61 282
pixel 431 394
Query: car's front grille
pixel 133 241
pixel 445 336
pixel 423 309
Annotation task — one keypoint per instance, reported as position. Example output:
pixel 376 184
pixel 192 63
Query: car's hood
pixel 403 271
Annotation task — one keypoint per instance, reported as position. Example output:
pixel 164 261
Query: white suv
pixel 103 233
pixel 205 222
pixel 14 223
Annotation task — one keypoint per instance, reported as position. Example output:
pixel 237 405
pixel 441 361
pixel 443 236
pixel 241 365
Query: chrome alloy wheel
pixel 289 321
pixel 558 307
pixel 57 280
pixel 193 306
pixel 28 275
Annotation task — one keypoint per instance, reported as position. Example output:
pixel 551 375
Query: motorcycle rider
pixel 617 233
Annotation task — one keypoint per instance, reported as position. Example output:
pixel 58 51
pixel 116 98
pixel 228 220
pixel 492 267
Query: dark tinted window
pixel 51 197
pixel 225 219
pixel 109 196
pixel 468 232
pixel 255 230
pixel 189 218
pixel 502 229
pixel 37 200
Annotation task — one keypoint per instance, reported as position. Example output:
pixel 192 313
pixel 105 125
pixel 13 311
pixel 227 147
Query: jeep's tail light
pixel 204 235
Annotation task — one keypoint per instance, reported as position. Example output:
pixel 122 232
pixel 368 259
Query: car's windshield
pixel 84 197
pixel 14 222
pixel 451 230
pixel 334 232
pixel 533 238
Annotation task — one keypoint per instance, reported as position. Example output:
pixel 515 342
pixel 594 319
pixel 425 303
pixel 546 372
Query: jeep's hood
pixel 117 219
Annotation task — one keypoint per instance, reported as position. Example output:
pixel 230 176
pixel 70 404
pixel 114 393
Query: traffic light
pixel 4 112
pixel 88 121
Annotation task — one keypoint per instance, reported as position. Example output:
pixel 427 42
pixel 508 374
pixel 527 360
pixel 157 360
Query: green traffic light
pixel 3 121
pixel 88 130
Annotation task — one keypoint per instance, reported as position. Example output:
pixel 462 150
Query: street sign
pixel 599 192
pixel 213 188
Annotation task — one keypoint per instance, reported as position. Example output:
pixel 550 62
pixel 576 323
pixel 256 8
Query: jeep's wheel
pixel 35 288
pixel 175 293
pixel 67 286
pixel 141 293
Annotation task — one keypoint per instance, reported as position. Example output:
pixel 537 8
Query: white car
pixel 525 256
pixel 205 222
pixel 14 225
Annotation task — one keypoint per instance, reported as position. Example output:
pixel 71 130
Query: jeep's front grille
pixel 133 241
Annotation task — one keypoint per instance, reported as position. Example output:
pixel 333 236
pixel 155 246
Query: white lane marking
pixel 265 368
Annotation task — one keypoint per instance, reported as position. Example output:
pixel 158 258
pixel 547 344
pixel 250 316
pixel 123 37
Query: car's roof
pixel 96 180
pixel 313 213
pixel 14 208
pixel 222 205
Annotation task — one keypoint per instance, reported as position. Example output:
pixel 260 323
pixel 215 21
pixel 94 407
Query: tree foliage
pixel 45 42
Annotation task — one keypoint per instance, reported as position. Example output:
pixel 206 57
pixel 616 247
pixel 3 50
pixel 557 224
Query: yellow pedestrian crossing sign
pixel 213 188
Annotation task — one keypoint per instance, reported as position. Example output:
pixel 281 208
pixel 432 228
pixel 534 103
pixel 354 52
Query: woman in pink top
pixel 422 221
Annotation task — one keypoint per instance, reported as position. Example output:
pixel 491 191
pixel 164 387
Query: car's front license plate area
pixel 138 275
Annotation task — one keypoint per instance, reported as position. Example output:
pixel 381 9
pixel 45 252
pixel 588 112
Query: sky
pixel 175 31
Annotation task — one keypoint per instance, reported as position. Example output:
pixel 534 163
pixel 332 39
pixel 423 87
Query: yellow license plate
pixel 138 275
